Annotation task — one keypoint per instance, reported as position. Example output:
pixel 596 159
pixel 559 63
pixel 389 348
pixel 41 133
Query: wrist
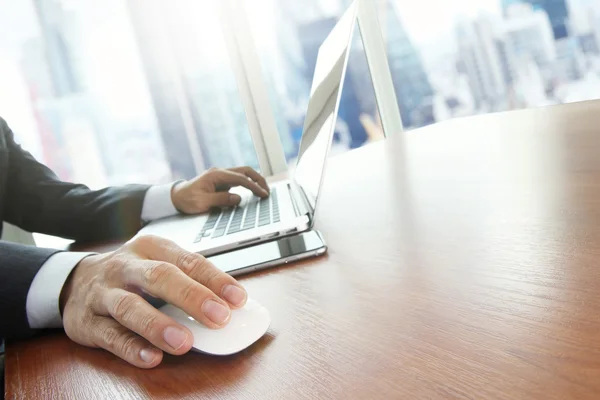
pixel 67 288
pixel 175 194
pixel 65 293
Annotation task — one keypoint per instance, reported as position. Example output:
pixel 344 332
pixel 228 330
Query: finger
pixel 134 313
pixel 252 174
pixel 114 337
pixel 225 177
pixel 166 281
pixel 196 266
pixel 222 199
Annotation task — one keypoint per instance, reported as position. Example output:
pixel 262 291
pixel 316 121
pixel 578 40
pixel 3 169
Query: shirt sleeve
pixel 43 310
pixel 158 203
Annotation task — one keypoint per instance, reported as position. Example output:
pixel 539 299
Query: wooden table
pixel 465 266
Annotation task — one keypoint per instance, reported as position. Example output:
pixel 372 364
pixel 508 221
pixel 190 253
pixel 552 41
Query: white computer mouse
pixel 246 326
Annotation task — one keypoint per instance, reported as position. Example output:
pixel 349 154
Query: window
pixel 120 91
pixel 123 91
pixel 468 57
pixel 288 35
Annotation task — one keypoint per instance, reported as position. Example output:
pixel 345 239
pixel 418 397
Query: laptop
pixel 292 204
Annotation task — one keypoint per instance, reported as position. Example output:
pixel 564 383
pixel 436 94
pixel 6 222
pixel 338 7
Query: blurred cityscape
pixel 530 53
pixel 124 91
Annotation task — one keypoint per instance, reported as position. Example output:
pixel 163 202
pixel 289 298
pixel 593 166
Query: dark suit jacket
pixel 33 198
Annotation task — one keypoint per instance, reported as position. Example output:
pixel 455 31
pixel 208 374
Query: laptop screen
pixel 321 115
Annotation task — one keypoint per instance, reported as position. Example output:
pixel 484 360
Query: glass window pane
pixel 288 35
pixel 119 91
pixel 476 57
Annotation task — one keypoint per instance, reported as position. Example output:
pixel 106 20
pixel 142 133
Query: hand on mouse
pixel 102 307
pixel 211 189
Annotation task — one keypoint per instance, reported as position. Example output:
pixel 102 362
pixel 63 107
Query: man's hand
pixel 211 189
pixel 102 307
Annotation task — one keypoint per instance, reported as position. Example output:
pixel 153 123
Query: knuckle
pixel 189 293
pixel 147 325
pixel 192 264
pixel 145 241
pixel 128 346
pixel 212 277
pixel 110 336
pixel 158 273
pixel 124 306
pixel 118 267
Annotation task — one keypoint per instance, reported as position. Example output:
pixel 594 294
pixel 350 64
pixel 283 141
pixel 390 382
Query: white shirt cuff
pixel 42 306
pixel 158 203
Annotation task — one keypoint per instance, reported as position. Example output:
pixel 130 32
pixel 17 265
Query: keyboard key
pixel 224 221
pixel 250 221
pixel 218 233
pixel 235 225
pixel 210 222
pixel 264 222
pixel 234 229
pixel 214 215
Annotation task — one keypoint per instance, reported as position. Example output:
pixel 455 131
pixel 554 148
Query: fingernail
pixel 266 192
pixel 234 198
pixel 174 337
pixel 234 295
pixel 216 312
pixel 148 356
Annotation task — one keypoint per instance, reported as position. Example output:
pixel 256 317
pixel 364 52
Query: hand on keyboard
pixel 254 213
pixel 211 189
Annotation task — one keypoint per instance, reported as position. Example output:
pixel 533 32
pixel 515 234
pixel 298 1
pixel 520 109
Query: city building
pixel 557 10
pixel 571 63
pixel 486 60
pixel 585 24
pixel 275 31
pixel 529 34
pixel 412 85
pixel 78 83
pixel 162 77
pixel 192 86
pixel 58 31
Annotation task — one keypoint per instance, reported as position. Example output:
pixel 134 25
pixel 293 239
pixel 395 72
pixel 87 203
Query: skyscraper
pixel 274 28
pixel 157 58
pixel 557 10
pixel 411 82
pixel 529 34
pixel 487 62
pixel 192 86
pixel 56 27
pixel 80 83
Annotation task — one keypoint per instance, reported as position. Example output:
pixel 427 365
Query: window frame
pixel 247 68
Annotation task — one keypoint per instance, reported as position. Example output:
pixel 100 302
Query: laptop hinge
pixel 300 201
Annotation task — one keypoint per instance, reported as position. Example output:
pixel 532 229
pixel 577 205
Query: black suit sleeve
pixel 18 266
pixel 37 201
pixel 33 198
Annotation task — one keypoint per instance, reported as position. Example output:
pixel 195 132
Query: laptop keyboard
pixel 256 212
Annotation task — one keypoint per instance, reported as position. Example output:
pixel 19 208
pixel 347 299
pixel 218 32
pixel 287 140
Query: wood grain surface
pixel 463 264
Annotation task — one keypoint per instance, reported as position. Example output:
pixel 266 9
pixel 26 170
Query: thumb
pixel 223 199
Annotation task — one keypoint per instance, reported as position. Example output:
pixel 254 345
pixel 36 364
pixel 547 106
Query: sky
pixel 17 17
pixel 17 23
pixel 427 20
